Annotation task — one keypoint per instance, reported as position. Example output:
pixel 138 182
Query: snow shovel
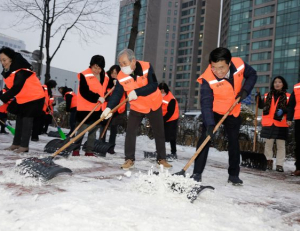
pixel 182 172
pixel 55 144
pixel 45 168
pixel 11 129
pixel 254 159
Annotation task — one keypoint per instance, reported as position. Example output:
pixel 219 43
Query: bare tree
pixel 85 18
pixel 135 23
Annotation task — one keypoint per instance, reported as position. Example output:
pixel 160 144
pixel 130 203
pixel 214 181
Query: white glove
pixel 1 103
pixel 115 81
pixel 101 99
pixel 106 113
pixel 132 95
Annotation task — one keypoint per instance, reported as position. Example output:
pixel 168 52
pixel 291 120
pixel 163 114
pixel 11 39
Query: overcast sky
pixel 72 55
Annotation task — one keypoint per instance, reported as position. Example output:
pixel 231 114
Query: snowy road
pixel 98 196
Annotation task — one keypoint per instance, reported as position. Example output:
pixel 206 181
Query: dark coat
pixel 31 109
pixel 273 132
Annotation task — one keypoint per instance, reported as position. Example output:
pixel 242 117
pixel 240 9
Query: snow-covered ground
pixel 101 196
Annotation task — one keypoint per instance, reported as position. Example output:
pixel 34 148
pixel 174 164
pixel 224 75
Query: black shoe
pixel 279 168
pixel 35 139
pixel 3 132
pixel 235 180
pixel 171 157
pixel 197 177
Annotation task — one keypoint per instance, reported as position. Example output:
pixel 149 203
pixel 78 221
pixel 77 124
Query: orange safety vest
pixel 165 102
pixel 297 99
pixel 32 89
pixel 268 120
pixel 3 108
pixel 142 104
pixel 224 93
pixel 94 86
pixel 74 99
pixel 46 104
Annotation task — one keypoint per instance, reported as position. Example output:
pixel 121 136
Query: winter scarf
pixel 280 95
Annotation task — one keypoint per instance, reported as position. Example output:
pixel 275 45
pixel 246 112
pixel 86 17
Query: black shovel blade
pixel 53 145
pixel 100 148
pixel 181 173
pixel 193 194
pixel 44 168
pixel 254 160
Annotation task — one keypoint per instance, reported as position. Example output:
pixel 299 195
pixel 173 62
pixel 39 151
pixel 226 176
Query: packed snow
pixel 101 196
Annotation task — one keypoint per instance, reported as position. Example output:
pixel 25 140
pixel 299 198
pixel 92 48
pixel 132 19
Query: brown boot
pixel 164 163
pixel 12 147
pixel 128 164
pixel 296 173
pixel 21 149
pixel 270 164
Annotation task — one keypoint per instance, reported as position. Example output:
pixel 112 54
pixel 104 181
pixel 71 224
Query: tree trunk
pixel 135 23
pixel 47 45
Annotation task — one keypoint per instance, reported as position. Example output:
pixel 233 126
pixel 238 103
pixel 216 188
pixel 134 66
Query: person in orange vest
pixel 294 112
pixel 118 117
pixel 24 85
pixel 274 125
pixel 71 105
pixel 170 110
pixel 138 80
pixel 221 85
pixel 47 119
pixel 39 121
pixel 91 91
pixel 3 113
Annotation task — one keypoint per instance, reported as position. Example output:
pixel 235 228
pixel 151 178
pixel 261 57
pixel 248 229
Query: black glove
pixel 209 131
pixel 243 94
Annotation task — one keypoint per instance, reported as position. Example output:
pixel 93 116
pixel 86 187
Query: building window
pixel 169 12
pixel 261 67
pixel 262 33
pixel 258 2
pixel 264 10
pixel 263 22
pixel 261 56
pixel 170 4
pixel 262 44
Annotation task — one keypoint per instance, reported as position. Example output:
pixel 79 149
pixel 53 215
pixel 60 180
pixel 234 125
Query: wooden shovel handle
pixel 97 105
pixel 106 126
pixel 208 137
pixel 86 130
pixel 255 121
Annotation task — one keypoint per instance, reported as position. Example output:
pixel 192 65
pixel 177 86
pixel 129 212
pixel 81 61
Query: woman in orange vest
pixel 71 105
pixel 274 125
pixel 47 119
pixel 24 85
pixel 119 115
pixel 3 113
pixel 294 112
pixel 170 110
pixel 91 91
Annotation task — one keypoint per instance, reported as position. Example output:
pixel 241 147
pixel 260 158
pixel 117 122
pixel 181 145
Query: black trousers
pixel 113 133
pixel 23 131
pixel 37 126
pixel 3 117
pixel 232 127
pixel 72 120
pixel 297 140
pixel 157 125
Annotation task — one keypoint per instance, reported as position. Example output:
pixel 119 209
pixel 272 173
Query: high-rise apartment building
pixel 266 34
pixel 176 36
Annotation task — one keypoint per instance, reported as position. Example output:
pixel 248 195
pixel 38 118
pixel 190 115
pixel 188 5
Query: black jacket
pixel 30 109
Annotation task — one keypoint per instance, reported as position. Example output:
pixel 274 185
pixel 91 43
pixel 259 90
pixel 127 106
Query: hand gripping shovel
pixel 11 129
pixel 55 144
pixel 45 168
pixel 182 172
pixel 60 132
